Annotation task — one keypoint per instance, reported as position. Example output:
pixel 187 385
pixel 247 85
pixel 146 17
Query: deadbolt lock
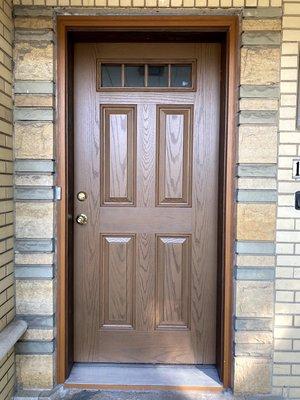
pixel 81 196
pixel 81 219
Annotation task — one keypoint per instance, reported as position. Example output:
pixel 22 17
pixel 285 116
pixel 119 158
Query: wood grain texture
pixel 174 155
pixel 154 294
pixel 117 282
pixel 173 256
pixel 118 149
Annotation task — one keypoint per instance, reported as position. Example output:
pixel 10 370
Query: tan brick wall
pixel 7 290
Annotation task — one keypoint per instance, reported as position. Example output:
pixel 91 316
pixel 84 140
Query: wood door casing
pixel 145 264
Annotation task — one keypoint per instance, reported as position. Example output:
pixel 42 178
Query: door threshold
pixel 144 377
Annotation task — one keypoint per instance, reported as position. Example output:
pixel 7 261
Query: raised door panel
pixel 118 155
pixel 118 281
pixel 173 282
pixel 174 155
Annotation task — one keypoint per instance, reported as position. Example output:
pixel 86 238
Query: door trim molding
pixel 228 24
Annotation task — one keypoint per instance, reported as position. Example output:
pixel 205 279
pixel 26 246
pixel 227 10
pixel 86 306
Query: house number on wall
pixel 296 169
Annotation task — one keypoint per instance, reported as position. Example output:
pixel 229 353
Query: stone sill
pixel 10 335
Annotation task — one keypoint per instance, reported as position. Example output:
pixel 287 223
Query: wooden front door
pixel 146 140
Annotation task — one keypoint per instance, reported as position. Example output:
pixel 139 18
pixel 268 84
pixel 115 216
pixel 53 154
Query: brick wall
pixel 256 273
pixel 7 297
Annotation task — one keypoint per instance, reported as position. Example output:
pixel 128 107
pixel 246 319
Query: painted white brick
pixel 288 99
pixel 287 124
pixel 288 187
pixel 287 333
pixel 285 224
pixel 285 175
pixel 285 162
pixel 296 369
pixel 284 248
pixel 296 345
pixel 287 357
pixel 286 200
pixel 288 74
pixel 297 224
pixel 281 369
pixel 297 297
pixel 288 212
pixel 288 87
pixel 297 273
pixel 283 344
pixel 290 48
pixel 288 260
pixel 287 308
pixel 284 296
pixel 289 61
pixel 284 272
pixel 283 320
pixel 288 284
pixel 287 149
pixel 294 393
pixel 288 236
pixel 289 137
pixel 286 380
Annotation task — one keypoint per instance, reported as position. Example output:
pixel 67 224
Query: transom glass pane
pixel 157 75
pixel 181 75
pixel 134 75
pixel 111 75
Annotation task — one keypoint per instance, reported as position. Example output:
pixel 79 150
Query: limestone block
pixel 34 180
pixel 256 221
pixel 34 23
pixel 34 220
pixel 34 140
pixel 257 144
pixel 33 61
pixel 254 337
pixel 38 334
pixel 258 104
pixel 34 258
pixel 262 12
pixel 252 375
pixel 260 66
pixel 261 25
pixel 38 35
pixel 34 297
pixel 254 299
pixel 35 371
pixel 24 100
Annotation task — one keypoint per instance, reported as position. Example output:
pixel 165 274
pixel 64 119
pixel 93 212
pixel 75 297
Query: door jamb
pixel 65 24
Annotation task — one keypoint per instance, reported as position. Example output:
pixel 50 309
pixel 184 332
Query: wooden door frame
pixel 228 24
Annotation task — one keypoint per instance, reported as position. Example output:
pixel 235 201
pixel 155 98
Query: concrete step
pixel 61 393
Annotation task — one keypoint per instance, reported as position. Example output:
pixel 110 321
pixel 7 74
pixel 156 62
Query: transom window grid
pixel 123 83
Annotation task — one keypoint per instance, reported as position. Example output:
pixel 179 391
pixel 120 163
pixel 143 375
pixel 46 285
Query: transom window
pixel 146 76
